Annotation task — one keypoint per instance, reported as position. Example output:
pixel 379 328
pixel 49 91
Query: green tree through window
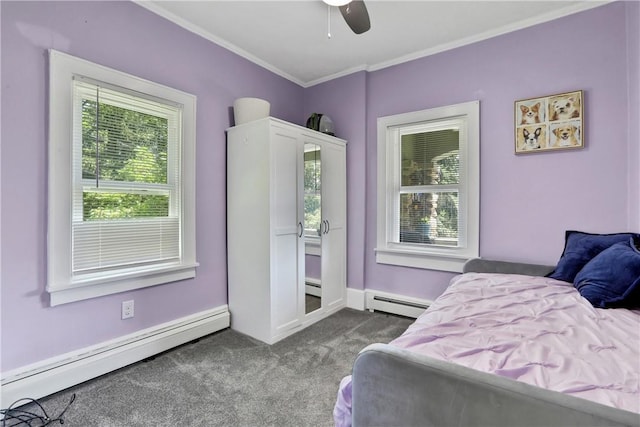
pixel 123 145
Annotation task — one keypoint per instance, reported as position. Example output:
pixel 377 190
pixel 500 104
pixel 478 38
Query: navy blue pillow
pixel 580 248
pixel 612 278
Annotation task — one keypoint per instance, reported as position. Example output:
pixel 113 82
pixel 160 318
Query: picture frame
pixel 546 123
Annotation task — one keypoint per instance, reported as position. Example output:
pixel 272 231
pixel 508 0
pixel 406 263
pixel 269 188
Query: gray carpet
pixel 311 303
pixel 229 379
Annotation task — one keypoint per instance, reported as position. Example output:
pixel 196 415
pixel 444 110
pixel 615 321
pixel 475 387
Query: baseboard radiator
pixel 395 304
pixel 52 375
pixel 313 287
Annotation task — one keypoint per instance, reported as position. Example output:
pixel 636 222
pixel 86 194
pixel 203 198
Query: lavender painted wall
pixel 527 202
pixel 344 100
pixel 126 37
pixel 312 267
pixel 633 52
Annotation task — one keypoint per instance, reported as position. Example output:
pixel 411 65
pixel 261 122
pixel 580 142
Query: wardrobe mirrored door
pixel 312 226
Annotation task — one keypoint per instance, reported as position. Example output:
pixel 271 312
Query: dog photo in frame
pixel 553 122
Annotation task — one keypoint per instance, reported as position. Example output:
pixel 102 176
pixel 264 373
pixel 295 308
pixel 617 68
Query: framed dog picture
pixel 554 122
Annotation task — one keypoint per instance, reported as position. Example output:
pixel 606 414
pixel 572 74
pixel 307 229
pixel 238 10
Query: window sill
pixel 92 286
pixel 452 262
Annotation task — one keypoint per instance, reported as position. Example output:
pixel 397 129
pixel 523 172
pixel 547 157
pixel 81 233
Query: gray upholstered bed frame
pixel 395 387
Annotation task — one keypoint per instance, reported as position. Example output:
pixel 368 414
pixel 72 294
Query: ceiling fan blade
pixel 356 15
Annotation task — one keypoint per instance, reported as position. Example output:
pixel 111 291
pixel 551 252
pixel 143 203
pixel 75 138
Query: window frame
pixel 435 257
pixel 63 284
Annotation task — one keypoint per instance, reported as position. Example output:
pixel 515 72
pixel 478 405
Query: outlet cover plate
pixel 127 309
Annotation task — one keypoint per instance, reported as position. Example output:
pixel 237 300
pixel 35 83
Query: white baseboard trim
pixel 313 286
pixel 355 299
pixel 58 373
pixel 373 300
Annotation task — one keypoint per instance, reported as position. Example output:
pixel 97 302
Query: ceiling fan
pixel 354 13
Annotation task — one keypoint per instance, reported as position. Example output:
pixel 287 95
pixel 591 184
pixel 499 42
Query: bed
pixel 504 346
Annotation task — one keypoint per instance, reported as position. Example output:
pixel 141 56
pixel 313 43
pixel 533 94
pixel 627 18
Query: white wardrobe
pixel 286 227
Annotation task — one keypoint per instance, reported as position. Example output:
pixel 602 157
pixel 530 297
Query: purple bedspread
pixel 532 329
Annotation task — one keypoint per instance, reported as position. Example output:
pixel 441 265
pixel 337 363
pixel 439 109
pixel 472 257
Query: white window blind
pixel 126 179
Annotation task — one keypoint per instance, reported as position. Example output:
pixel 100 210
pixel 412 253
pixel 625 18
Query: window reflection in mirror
pixel 312 226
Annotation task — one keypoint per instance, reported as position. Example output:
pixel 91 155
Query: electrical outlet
pixel 127 309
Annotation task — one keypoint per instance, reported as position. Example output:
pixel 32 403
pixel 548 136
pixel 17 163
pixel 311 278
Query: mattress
pixel 531 329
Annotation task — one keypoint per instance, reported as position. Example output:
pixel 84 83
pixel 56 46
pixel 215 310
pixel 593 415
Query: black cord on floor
pixel 18 417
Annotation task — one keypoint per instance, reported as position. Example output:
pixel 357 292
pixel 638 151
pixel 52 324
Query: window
pixel 121 182
pixel 428 187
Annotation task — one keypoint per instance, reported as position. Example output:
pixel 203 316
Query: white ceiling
pixel 290 37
